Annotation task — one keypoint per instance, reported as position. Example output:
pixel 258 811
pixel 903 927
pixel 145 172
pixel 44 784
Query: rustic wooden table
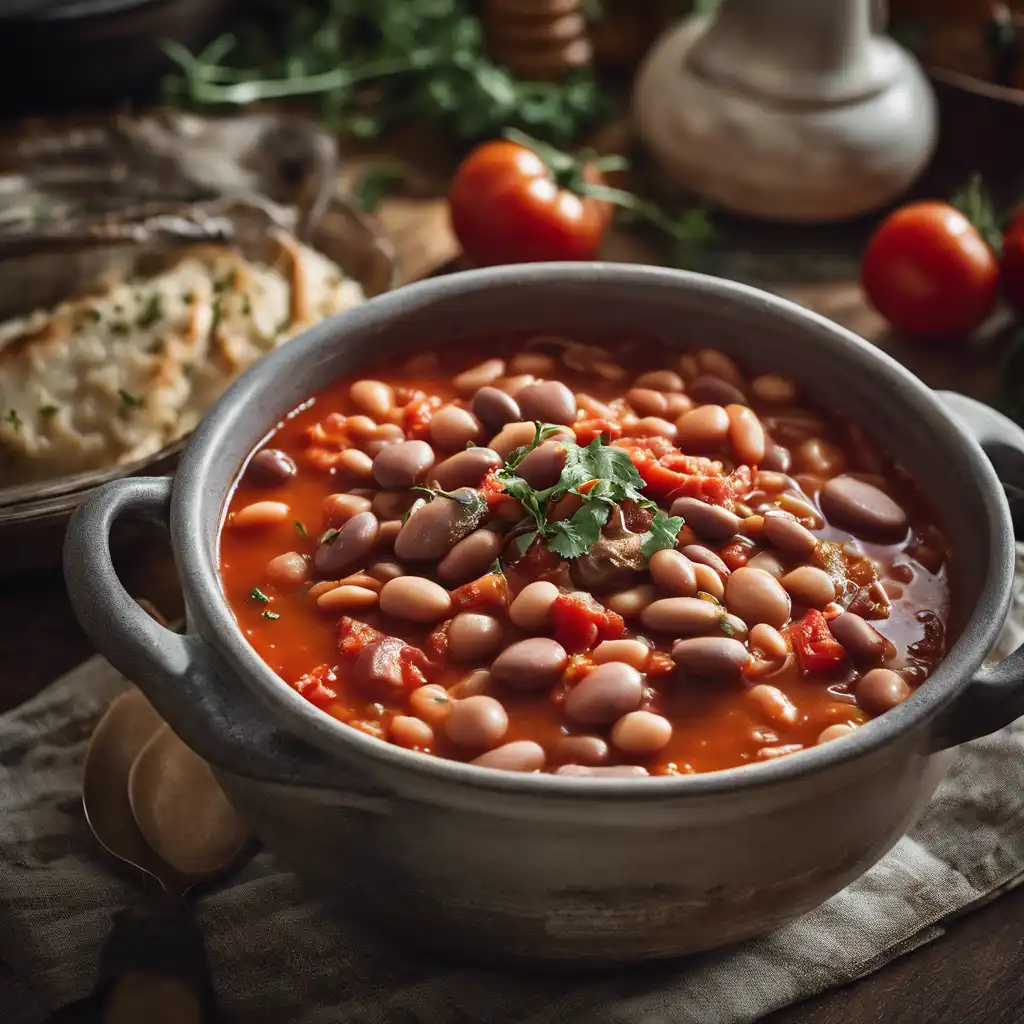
pixel 972 975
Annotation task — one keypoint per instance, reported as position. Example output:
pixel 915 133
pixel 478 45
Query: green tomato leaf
pixel 662 534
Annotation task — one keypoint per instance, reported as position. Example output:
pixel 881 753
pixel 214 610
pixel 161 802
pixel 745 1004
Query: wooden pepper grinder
pixel 537 40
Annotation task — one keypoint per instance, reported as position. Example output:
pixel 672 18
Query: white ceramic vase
pixel 790 110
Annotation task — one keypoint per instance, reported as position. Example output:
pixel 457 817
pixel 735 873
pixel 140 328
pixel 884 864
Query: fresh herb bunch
pixel 374 63
pixel 602 477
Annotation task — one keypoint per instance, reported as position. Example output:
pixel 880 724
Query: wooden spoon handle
pixel 153 968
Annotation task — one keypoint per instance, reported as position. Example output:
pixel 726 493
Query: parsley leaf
pixel 662 534
pixel 257 595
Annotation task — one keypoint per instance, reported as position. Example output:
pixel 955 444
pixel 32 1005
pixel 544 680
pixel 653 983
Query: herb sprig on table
pixel 373 63
pixel 602 477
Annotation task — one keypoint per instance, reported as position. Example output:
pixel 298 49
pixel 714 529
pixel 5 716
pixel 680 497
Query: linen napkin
pixel 279 956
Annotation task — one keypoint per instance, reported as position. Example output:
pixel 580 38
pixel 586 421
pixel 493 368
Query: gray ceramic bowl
pixel 539 867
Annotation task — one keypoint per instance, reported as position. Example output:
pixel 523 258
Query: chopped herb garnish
pixel 128 398
pixel 119 328
pixel 153 312
pixel 286 322
pixel 94 315
pixel 226 282
pixel 257 595
pixel 440 700
pixel 246 306
pixel 14 419
pixel 188 369
pixel 300 529
pixel 603 477
pixel 328 535
pixel 268 614
pixel 726 627
pixel 49 410
pixel 216 318
pixel 188 298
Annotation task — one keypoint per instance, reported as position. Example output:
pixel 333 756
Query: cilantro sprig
pixel 602 477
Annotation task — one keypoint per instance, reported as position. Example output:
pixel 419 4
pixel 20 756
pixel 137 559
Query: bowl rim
pixel 211 614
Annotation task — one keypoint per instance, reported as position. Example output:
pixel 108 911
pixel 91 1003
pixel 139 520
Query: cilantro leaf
pixel 662 534
pixel 573 537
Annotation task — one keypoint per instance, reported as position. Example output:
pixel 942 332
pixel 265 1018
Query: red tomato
pixel 816 649
pixel 1012 261
pixel 929 272
pixel 580 622
pixel 508 207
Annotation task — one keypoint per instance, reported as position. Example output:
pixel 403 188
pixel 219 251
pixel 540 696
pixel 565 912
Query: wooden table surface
pixel 972 975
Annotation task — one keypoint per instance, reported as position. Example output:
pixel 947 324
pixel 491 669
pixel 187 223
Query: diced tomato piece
pixel 317 686
pixel 437 642
pixel 588 430
pixel 581 622
pixel 736 555
pixel 579 666
pixel 493 490
pixel 538 562
pixel 656 446
pixel 816 649
pixel 489 590
pixel 418 414
pixel 659 664
pixel 354 635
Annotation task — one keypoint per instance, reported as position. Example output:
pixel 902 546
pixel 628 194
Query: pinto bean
pixel 580 750
pixel 514 384
pixel 654 426
pixel 772 704
pixel 494 408
pixel 810 586
pixel 771 388
pixel 631 603
pixel 864 644
pixel 473 637
pixel 472 685
pixel 288 571
pixel 820 457
pixel 355 463
pixel 607 693
pixel 411 733
pixel 432 703
pixel 710 360
pixel 518 756
pixel 768 562
pixel 707 426
pixel 672 571
pixel 647 402
pixel 862 509
pixel 531 609
pixel 711 521
pixel 709 581
pixel 701 555
pixel 880 690
pixel 384 570
pixel 788 535
pixel 403 465
pixel 549 401
pixel 777 459
pixel 465 469
pixel 415 599
pixel 836 732
pixel 532 664
pixel 769 641
pixel 435 528
pixel 340 553
pixel 757 596
pixel 539 364
pixel 346 599
pixel 543 466
pixel 389 532
pixel 374 397
pixel 340 508
pixel 470 558
pixel 478 723
pixel 681 616
pixel 260 514
pixel 713 390
pixel 641 732
pixel 746 435
pixel 480 375
pixel 660 380
pixel 511 437
pixel 452 428
pixel 270 467
pixel 631 652
pixel 391 505
pixel 713 656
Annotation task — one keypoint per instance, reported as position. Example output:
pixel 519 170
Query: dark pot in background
pixel 83 54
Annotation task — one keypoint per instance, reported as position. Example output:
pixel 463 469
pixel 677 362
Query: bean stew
pixel 584 557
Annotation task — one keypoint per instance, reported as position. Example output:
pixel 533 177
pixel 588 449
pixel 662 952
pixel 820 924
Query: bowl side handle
pixel 180 674
pixel 995 696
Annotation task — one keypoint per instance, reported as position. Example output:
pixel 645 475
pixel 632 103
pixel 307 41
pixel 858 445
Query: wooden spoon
pixel 181 810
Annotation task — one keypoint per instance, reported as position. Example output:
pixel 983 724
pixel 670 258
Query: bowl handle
pixel 995 696
pixel 184 679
